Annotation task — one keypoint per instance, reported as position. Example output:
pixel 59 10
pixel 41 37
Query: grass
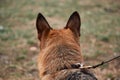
pixel 109 76
pixel 100 31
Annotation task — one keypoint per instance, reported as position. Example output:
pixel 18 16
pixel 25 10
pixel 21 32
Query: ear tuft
pixel 74 23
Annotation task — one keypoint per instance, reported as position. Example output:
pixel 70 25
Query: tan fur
pixel 61 49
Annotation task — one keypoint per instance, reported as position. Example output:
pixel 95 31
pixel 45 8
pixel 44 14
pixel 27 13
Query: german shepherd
pixel 60 54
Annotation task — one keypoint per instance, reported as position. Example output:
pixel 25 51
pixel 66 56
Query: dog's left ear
pixel 42 25
pixel 74 23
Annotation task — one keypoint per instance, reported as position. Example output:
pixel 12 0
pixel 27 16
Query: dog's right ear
pixel 42 25
pixel 74 23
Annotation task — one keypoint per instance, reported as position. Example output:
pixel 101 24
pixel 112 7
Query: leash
pixel 99 64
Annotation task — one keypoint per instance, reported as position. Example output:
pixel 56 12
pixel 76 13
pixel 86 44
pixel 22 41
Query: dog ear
pixel 42 25
pixel 74 23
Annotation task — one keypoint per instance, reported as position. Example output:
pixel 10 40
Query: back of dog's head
pixel 71 31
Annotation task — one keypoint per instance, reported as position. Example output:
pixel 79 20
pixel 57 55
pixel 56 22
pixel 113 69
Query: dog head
pixel 48 35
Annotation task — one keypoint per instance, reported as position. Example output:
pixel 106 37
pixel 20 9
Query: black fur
pixel 83 74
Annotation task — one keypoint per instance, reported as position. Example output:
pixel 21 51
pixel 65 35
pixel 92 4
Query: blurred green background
pixel 100 34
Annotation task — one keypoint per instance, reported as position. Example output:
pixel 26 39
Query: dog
pixel 60 54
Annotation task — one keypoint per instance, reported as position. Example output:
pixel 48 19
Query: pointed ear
pixel 42 25
pixel 74 23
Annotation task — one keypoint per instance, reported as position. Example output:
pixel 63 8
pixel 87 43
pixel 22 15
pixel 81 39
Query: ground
pixel 19 46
